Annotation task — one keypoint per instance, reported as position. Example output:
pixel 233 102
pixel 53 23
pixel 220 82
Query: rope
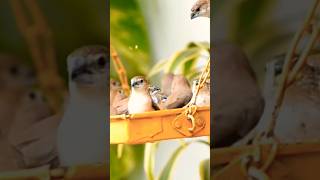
pixel 121 71
pixel 32 24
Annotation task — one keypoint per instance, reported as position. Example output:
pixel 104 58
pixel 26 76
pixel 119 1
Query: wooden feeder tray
pixel 292 161
pixel 158 125
pixel 44 173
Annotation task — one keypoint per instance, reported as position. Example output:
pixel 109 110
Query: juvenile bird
pixel 116 99
pixel 201 9
pixel 82 134
pixel 15 78
pixel 158 97
pixel 33 132
pixel 180 93
pixel 238 102
pixel 140 99
pixel 203 97
pixel 166 83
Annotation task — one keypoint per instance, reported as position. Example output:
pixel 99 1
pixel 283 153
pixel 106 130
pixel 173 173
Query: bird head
pixel 88 66
pixel 201 9
pixel 114 84
pixel 195 83
pixel 139 83
pixel 15 74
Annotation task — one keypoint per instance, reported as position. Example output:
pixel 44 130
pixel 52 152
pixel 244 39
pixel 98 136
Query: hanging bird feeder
pixel 260 155
pixel 190 121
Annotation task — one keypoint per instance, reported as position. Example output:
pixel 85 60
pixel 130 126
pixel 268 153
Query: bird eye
pixel 141 81
pixel 32 95
pixel 101 61
pixel 198 9
pixel 13 70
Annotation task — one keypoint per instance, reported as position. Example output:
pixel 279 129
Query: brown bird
pixel 15 78
pixel 238 102
pixel 116 96
pixel 201 9
pixel 203 97
pixel 139 100
pixel 298 118
pixel 180 93
pixel 166 83
pixel 33 132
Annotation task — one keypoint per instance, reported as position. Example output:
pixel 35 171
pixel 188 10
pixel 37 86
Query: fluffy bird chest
pixel 139 103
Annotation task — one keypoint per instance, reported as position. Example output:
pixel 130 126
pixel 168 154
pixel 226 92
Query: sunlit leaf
pixel 149 159
pixel 205 169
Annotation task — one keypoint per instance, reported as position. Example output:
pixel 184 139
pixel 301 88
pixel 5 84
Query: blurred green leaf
pixel 149 159
pixel 129 36
pixel 205 169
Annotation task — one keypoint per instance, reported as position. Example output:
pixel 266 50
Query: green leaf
pixel 205 169
pixel 157 68
pixel 149 159
pixel 167 170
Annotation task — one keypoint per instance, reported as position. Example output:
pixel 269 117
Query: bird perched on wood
pixel 201 9
pixel 298 118
pixel 33 132
pixel 15 78
pixel 140 99
pixel 180 93
pixel 117 99
pixel 82 134
pixel 203 97
pixel 238 102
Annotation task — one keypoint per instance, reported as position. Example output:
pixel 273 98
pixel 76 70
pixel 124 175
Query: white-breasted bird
pixel 83 132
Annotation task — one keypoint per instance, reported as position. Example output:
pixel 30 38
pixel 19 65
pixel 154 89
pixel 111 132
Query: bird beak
pixel 79 72
pixel 194 15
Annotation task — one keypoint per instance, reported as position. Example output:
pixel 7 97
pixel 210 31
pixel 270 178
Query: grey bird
pixel 140 99
pixel 83 131
pixel 201 9
pixel 238 102
pixel 158 97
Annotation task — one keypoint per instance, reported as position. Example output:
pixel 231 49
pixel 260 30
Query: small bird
pixel 158 97
pixel 298 118
pixel 140 99
pixel 238 102
pixel 201 9
pixel 83 131
pixel 203 97
pixel 166 83
pixel 116 98
pixel 15 78
pixel 33 131
pixel 180 93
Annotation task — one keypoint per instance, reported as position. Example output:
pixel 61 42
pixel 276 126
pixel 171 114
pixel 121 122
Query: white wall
pixel 170 29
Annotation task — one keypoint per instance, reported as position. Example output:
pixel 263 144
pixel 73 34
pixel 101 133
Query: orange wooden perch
pixel 158 125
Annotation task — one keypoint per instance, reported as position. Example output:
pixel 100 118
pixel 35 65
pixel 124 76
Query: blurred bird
pixel 203 97
pixel 83 132
pixel 116 99
pixel 140 99
pixel 33 132
pixel 298 118
pixel 180 93
pixel 201 9
pixel 166 83
pixel 15 78
pixel 238 102
pixel 158 97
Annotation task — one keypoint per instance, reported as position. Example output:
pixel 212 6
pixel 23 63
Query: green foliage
pixel 182 62
pixel 129 36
